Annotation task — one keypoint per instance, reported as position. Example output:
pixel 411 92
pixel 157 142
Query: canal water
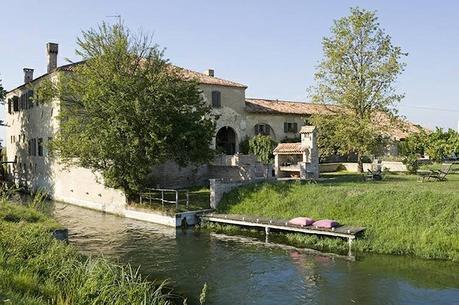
pixel 245 271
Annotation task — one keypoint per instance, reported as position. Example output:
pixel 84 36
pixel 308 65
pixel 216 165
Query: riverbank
pixel 37 269
pixel 402 216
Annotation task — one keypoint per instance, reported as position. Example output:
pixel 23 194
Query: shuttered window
pixel 15 103
pixel 290 127
pixel 40 146
pixel 216 99
pixel 263 129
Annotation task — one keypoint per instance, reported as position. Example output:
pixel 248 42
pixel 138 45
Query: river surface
pixel 246 271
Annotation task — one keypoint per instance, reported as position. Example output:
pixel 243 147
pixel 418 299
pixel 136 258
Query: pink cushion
pixel 325 223
pixel 301 221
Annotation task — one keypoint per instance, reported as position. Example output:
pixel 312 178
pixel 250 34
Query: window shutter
pixel 30 99
pixel 9 106
pixel 216 99
pixel 295 127
pixel 285 127
pixel 267 129
pixel 15 103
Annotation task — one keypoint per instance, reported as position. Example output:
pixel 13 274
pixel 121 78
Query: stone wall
pixel 219 187
pixel 170 174
pixel 391 166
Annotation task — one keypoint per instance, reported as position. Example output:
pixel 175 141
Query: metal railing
pixel 150 196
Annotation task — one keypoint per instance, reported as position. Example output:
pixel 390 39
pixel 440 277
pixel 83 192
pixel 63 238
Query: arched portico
pixel 226 141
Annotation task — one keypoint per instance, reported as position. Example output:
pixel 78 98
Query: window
pixel 10 106
pixel 40 146
pixel 32 147
pixel 290 127
pixel 30 99
pixel 263 129
pixel 15 103
pixel 216 99
pixel 22 101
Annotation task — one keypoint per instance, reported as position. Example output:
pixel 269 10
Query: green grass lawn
pixel 36 269
pixel 402 216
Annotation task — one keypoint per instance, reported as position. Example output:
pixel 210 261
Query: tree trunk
pixel 359 163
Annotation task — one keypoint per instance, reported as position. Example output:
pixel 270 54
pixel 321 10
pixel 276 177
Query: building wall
pixel 276 121
pixel 74 185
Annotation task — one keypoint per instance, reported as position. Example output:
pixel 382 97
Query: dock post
pixel 187 199
pixel 349 242
pixel 176 199
pixel 266 234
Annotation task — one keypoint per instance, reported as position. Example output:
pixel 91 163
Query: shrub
pixel 262 147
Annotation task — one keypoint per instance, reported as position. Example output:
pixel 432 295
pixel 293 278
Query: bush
pixel 411 162
pixel 262 147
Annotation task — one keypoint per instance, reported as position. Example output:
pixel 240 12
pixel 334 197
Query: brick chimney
pixel 210 72
pixel 52 49
pixel 28 75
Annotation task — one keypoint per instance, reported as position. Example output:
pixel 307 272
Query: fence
pixel 150 196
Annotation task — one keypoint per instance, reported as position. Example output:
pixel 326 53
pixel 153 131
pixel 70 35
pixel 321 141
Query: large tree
pixel 2 99
pixel 355 81
pixel 125 109
pixel 2 92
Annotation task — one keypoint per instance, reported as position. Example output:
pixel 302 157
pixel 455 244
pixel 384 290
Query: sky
pixel 271 46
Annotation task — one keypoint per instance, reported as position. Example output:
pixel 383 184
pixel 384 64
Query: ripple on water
pixel 246 271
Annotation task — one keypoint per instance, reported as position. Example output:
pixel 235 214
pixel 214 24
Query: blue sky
pixel 271 46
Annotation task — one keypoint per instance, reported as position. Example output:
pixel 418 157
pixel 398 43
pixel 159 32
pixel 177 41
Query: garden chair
pixel 375 173
pixel 435 175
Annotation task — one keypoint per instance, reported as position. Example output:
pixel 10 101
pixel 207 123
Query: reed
pixel 37 269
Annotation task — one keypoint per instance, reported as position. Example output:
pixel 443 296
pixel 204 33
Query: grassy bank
pixel 37 269
pixel 402 216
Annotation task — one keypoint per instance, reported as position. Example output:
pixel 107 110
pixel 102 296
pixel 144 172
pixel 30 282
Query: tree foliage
pixel 438 145
pixel 2 99
pixel 125 109
pixel 442 144
pixel 262 146
pixel 412 148
pixel 2 93
pixel 355 82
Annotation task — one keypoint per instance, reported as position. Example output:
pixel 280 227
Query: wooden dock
pixel 347 232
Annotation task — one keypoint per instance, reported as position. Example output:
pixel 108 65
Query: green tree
pixel 2 92
pixel 2 99
pixel 442 144
pixel 262 146
pixel 125 109
pixel 355 81
pixel 412 148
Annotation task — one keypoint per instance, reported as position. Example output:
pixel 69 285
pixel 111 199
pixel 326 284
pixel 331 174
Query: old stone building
pixel 31 127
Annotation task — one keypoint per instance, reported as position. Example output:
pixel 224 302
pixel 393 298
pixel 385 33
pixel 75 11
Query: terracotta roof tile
pixel 290 107
pixel 206 79
pixel 289 148
pixel 398 128
pixel 307 129
pixel 189 74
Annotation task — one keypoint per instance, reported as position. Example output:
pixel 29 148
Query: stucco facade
pixel 31 127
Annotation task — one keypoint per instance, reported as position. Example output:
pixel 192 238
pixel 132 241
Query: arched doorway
pixel 226 141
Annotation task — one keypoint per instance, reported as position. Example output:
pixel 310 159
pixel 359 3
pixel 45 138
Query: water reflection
pixel 240 271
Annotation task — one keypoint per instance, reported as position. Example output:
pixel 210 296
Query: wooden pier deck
pixel 347 232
